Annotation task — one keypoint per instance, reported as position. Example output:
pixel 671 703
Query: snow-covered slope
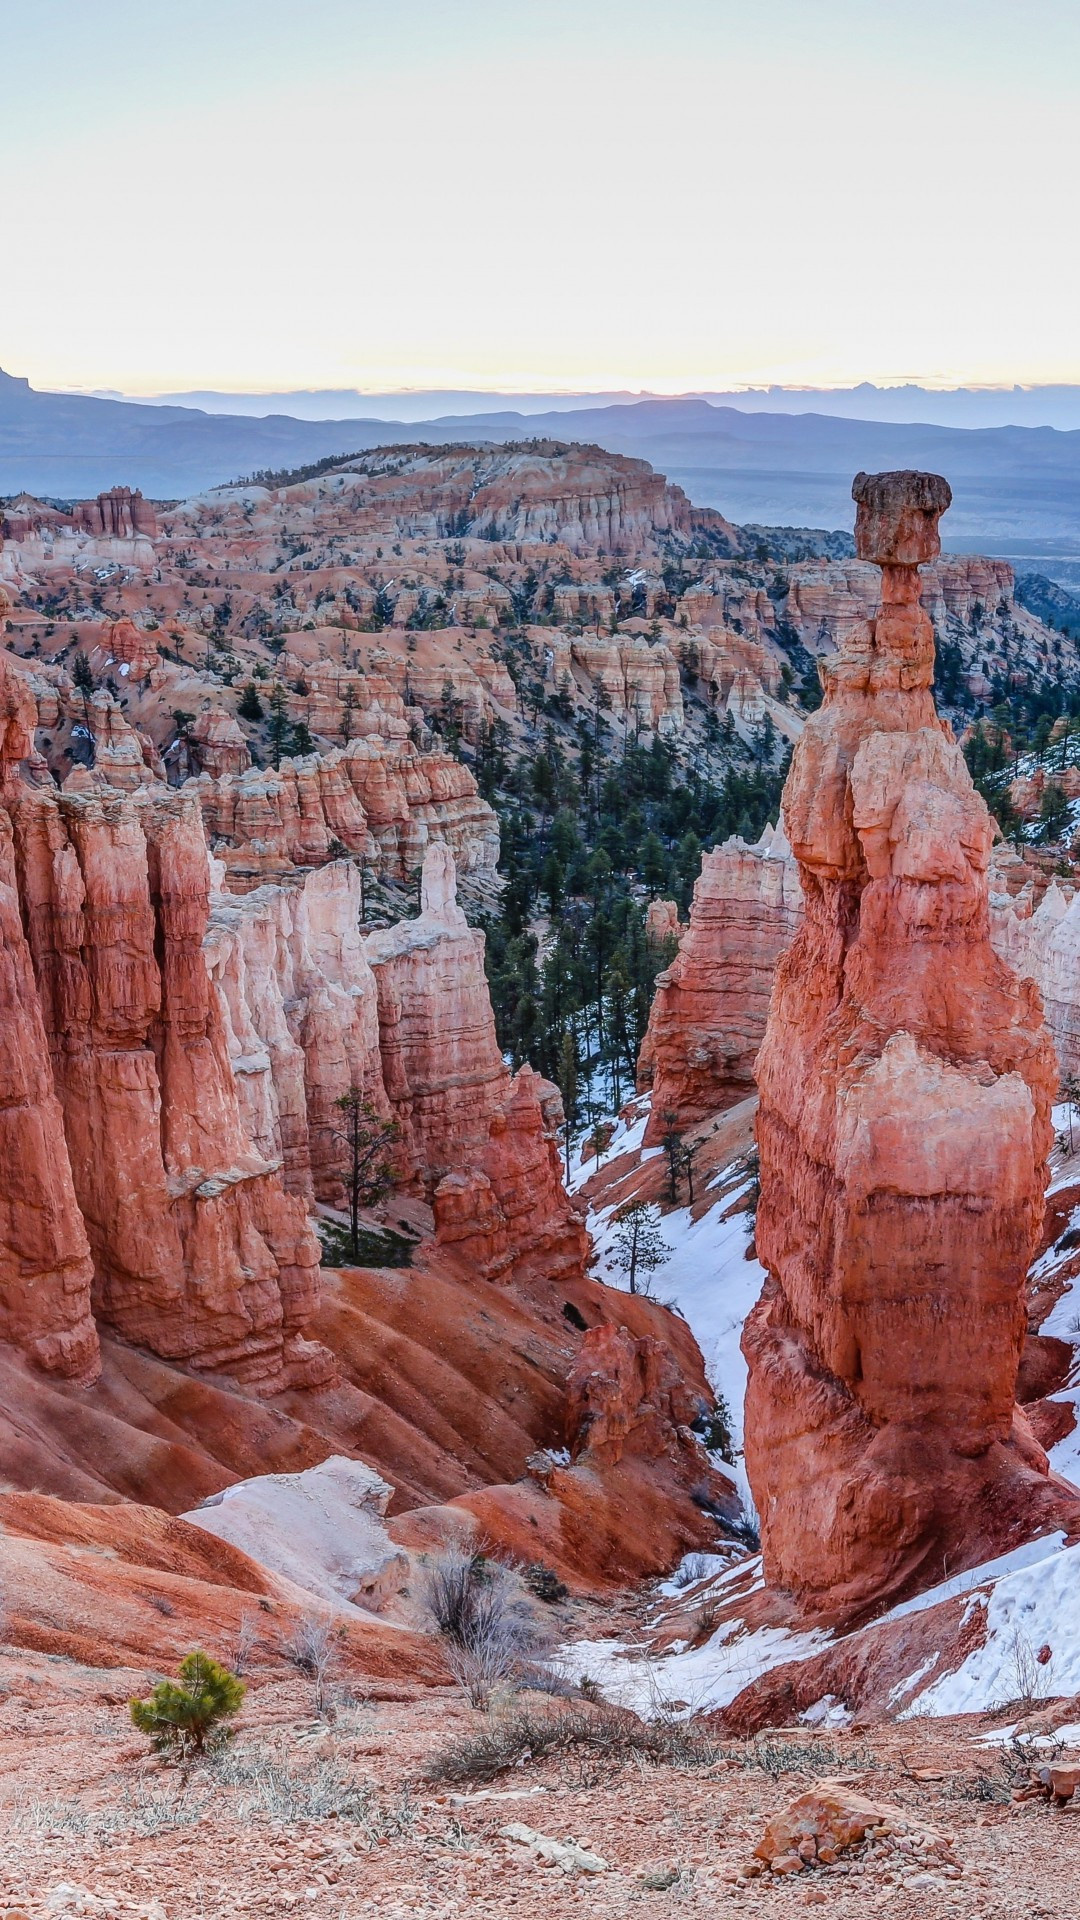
pixel 974 1643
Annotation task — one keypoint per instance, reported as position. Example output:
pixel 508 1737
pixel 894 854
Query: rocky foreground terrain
pixel 363 786
pixel 345 1819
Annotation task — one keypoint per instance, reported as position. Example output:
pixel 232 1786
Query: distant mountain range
pixel 1016 488
pixel 911 404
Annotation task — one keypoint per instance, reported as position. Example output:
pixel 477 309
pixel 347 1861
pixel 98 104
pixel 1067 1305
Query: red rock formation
pixel 1041 942
pixel 640 682
pixel 1026 792
pixel 709 1013
pixel 130 647
pixel 662 924
pixel 45 1268
pixel 120 513
pixel 627 1395
pixel 442 1069
pixel 298 1001
pixel 378 797
pixel 264 822
pixel 434 673
pixel 341 702
pixel 717 656
pixel 198 1252
pixel 217 743
pixel 122 756
pixel 579 495
pixel 905 1082
pixel 508 1213
pixel 968 596
pixel 413 800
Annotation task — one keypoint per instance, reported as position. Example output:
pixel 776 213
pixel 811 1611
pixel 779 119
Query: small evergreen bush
pixel 180 1717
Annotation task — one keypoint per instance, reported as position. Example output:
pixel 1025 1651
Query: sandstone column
pixel 905 1080
pixel 45 1265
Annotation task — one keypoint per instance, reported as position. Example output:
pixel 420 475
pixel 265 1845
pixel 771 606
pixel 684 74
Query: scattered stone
pixel 831 1818
pixel 566 1855
pixel 1058 1785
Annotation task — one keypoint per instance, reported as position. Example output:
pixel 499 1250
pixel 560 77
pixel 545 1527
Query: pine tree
pixel 368 1140
pixel 250 707
pixel 81 674
pixel 653 864
pixel 450 717
pixel 672 1144
pixel 688 1152
pixel 640 1248
pixel 181 1716
pixel 568 1087
pixel 552 881
pixel 1053 811
pixel 279 722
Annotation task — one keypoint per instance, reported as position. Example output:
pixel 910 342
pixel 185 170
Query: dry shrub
pixel 534 1734
pixel 267 1785
pixel 481 1609
pixel 314 1649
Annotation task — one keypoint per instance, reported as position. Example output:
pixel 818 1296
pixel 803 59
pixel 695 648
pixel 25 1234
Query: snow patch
pixel 1035 1604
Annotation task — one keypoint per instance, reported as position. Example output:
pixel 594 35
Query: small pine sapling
pixel 180 1717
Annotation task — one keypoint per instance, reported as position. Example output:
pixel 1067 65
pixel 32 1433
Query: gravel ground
pixel 89 1823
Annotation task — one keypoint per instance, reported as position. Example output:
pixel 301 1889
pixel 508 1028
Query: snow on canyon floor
pixel 1030 1598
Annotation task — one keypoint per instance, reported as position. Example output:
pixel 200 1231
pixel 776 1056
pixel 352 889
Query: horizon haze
pixel 272 199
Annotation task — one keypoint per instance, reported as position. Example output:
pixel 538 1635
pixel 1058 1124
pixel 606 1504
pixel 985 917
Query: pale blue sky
pixel 584 192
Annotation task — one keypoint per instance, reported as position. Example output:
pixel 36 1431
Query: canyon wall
pixel 905 1084
pixel 45 1264
pixel 509 1213
pixel 711 1005
pixel 708 1015
pixel 379 798
pixel 300 1016
pixel 198 1252
pixel 1040 938
pixel 828 600
pixel 638 683
pixel 442 1069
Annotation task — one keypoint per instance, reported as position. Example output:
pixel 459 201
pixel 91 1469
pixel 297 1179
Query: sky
pixel 264 194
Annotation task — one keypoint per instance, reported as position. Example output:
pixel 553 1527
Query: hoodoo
pixel 906 1078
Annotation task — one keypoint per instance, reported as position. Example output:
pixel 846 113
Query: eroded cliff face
pixel 45 1266
pixel 444 1075
pixel 197 1252
pixel 298 1002
pixel 709 1012
pixel 638 683
pixel 378 798
pixel 828 600
pixel 508 1212
pixel 165 1052
pixel 905 1079
pixel 1037 930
